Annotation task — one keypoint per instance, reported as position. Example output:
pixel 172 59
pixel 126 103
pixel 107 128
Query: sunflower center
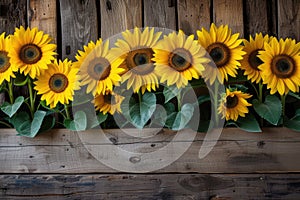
pixel 220 54
pixel 180 59
pixel 139 61
pixel 30 53
pixel 99 69
pixel 109 99
pixel 231 101
pixel 253 60
pixel 4 61
pixel 283 66
pixel 58 83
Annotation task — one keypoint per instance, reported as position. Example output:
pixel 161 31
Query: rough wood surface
pixel 229 12
pixel 159 13
pixel 289 18
pixel 193 15
pixel 42 14
pixel 62 151
pixel 78 25
pixel 119 15
pixel 155 186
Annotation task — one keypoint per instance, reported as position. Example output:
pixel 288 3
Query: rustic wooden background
pixel 241 166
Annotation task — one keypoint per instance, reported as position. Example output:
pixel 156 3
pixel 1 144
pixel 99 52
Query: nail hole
pixel 68 50
pixel 134 159
pixel 108 5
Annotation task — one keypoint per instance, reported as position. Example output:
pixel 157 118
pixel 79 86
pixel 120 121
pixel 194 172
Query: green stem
pixel 140 96
pixel 260 99
pixel 31 97
pixel 6 124
pixel 179 101
pixel 67 112
pixel 283 97
pixel 11 92
pixel 216 92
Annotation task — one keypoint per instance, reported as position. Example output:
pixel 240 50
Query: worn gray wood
pixel 62 151
pixel 193 15
pixel 289 18
pixel 42 14
pixel 119 15
pixel 78 25
pixel 155 186
pixel 159 13
pixel 229 12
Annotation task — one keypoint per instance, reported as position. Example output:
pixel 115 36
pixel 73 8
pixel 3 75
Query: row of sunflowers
pixel 151 77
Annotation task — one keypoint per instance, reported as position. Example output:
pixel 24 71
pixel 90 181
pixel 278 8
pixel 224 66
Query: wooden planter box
pixel 57 165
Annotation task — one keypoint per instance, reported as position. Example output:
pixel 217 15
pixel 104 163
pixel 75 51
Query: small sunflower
pixel 234 104
pixel 31 51
pixel 137 51
pixel 57 83
pixel 251 61
pixel 224 49
pixel 108 103
pixel 98 69
pixel 179 59
pixel 6 69
pixel 281 67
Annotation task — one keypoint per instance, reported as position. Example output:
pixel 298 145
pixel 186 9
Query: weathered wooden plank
pixel 159 13
pixel 156 186
pixel 119 15
pixel 229 12
pixel 235 152
pixel 289 18
pixel 42 14
pixel 193 15
pixel 78 25
pixel 256 17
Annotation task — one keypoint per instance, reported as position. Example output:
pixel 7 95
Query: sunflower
pixel 224 49
pixel 108 103
pixel 251 61
pixel 6 69
pixel 98 69
pixel 57 83
pixel 137 50
pixel 234 104
pixel 31 51
pixel 281 67
pixel 179 59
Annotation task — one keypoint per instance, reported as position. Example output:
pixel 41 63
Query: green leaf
pixel 21 122
pixel 247 123
pixel 270 110
pixel 203 98
pixel 183 117
pixel 170 92
pixel 294 95
pixel 170 120
pixel 239 87
pixel 11 109
pixel 21 80
pixel 98 120
pixel 78 124
pixel 48 123
pixel 37 122
pixel 292 124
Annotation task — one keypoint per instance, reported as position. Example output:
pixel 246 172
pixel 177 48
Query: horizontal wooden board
pixel 154 186
pixel 62 151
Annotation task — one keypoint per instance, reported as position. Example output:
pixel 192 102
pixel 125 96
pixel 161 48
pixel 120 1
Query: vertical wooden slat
pixel 42 14
pixel 159 13
pixel 193 15
pixel 229 12
pixel 256 17
pixel 119 15
pixel 289 19
pixel 78 25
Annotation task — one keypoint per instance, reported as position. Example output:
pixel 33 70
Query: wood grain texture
pixel 78 25
pixel 289 18
pixel 42 14
pixel 229 12
pixel 193 15
pixel 119 15
pixel 156 186
pixel 159 13
pixel 62 151
pixel 256 17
